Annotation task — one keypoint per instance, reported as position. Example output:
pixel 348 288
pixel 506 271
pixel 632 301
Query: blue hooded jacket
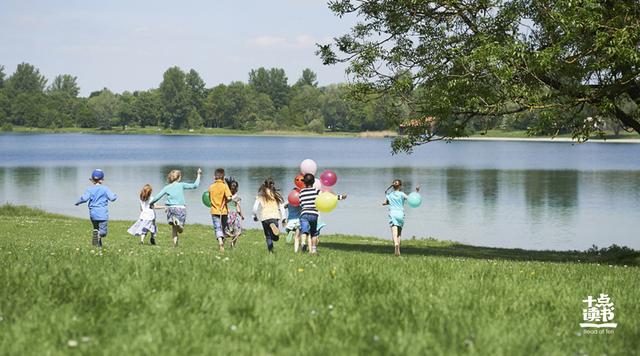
pixel 98 197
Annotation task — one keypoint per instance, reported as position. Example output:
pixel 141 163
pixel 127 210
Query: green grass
pixel 355 298
pixel 162 131
pixel 498 133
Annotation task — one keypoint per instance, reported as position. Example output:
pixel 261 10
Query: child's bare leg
pixel 396 239
pixel 296 242
pixel 174 234
pixel 314 244
pixel 142 238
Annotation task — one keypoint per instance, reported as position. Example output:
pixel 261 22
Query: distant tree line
pixel 183 101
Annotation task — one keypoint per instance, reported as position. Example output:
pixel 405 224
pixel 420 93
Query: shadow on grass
pixel 611 255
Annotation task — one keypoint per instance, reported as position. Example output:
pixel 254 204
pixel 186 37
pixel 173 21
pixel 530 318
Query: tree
pixel 126 109
pixel 309 78
pixel 28 109
pixel 84 115
pixel 306 100
pixel 2 75
pixel 105 107
pixel 147 108
pixel 26 79
pixel 459 62
pixel 272 82
pixel 196 91
pixel 174 96
pixel 65 85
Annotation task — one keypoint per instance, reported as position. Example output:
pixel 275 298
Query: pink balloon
pixel 317 185
pixel 328 178
pixel 294 197
pixel 326 189
pixel 308 166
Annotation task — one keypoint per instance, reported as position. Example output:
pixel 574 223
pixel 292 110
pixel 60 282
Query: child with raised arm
pixel 309 214
pixel 97 198
pixel 395 200
pixel 269 209
pixel 219 194
pixel 176 206
pixel 147 220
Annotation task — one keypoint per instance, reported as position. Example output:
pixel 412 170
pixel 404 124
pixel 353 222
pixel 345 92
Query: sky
pixel 127 45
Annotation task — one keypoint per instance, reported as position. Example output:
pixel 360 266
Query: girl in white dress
pixel 147 221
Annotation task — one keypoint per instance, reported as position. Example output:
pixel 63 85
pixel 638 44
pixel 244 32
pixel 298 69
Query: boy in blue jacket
pixel 98 197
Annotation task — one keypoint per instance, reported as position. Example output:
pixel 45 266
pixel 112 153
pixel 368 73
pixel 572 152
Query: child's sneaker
pixel 152 240
pixel 304 248
pixel 176 223
pixel 276 232
pixel 94 239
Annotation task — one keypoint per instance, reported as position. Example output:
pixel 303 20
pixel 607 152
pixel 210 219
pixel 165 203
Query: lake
pixel 533 195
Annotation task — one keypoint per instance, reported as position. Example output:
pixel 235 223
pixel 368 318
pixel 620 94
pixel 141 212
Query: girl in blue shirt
pixel 395 201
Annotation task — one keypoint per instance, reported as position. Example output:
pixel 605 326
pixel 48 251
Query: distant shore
pixel 198 132
pixel 492 135
pixel 548 139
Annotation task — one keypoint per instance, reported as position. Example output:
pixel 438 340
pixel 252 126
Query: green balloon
pixel 206 200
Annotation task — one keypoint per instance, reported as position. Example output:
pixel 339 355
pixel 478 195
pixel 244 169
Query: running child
pixel 147 220
pixel 293 227
pixel 176 206
pixel 395 200
pixel 269 209
pixel 234 222
pixel 219 194
pixel 309 214
pixel 97 198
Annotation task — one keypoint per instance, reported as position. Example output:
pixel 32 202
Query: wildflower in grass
pixel 233 328
pixel 72 343
pixel 85 339
pixel 300 270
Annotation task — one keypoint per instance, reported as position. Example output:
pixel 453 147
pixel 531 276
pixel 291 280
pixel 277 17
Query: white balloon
pixel 308 166
pixel 317 184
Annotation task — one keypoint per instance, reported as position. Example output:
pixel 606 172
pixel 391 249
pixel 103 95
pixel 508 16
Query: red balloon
pixel 298 181
pixel 328 178
pixel 294 198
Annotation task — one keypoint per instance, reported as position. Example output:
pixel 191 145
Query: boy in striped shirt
pixel 309 212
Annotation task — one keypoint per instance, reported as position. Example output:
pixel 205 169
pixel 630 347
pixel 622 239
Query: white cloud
pixel 267 41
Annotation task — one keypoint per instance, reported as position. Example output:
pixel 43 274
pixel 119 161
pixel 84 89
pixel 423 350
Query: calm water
pixel 509 194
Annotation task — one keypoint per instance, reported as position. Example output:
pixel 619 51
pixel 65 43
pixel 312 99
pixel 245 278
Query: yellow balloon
pixel 325 202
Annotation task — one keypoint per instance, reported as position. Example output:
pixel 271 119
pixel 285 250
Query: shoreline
pixel 548 139
pixel 387 134
pixel 200 132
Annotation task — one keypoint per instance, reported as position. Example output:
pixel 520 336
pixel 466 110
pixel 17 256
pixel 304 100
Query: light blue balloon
pixel 414 200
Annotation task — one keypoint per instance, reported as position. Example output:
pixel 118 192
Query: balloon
pixel 326 189
pixel 328 178
pixel 317 185
pixel 326 202
pixel 298 181
pixel 294 198
pixel 414 200
pixel 206 200
pixel 308 166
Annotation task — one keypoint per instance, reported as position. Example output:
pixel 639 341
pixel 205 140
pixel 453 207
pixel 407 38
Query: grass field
pixel 58 295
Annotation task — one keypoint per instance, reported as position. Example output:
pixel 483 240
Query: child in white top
pixel 147 220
